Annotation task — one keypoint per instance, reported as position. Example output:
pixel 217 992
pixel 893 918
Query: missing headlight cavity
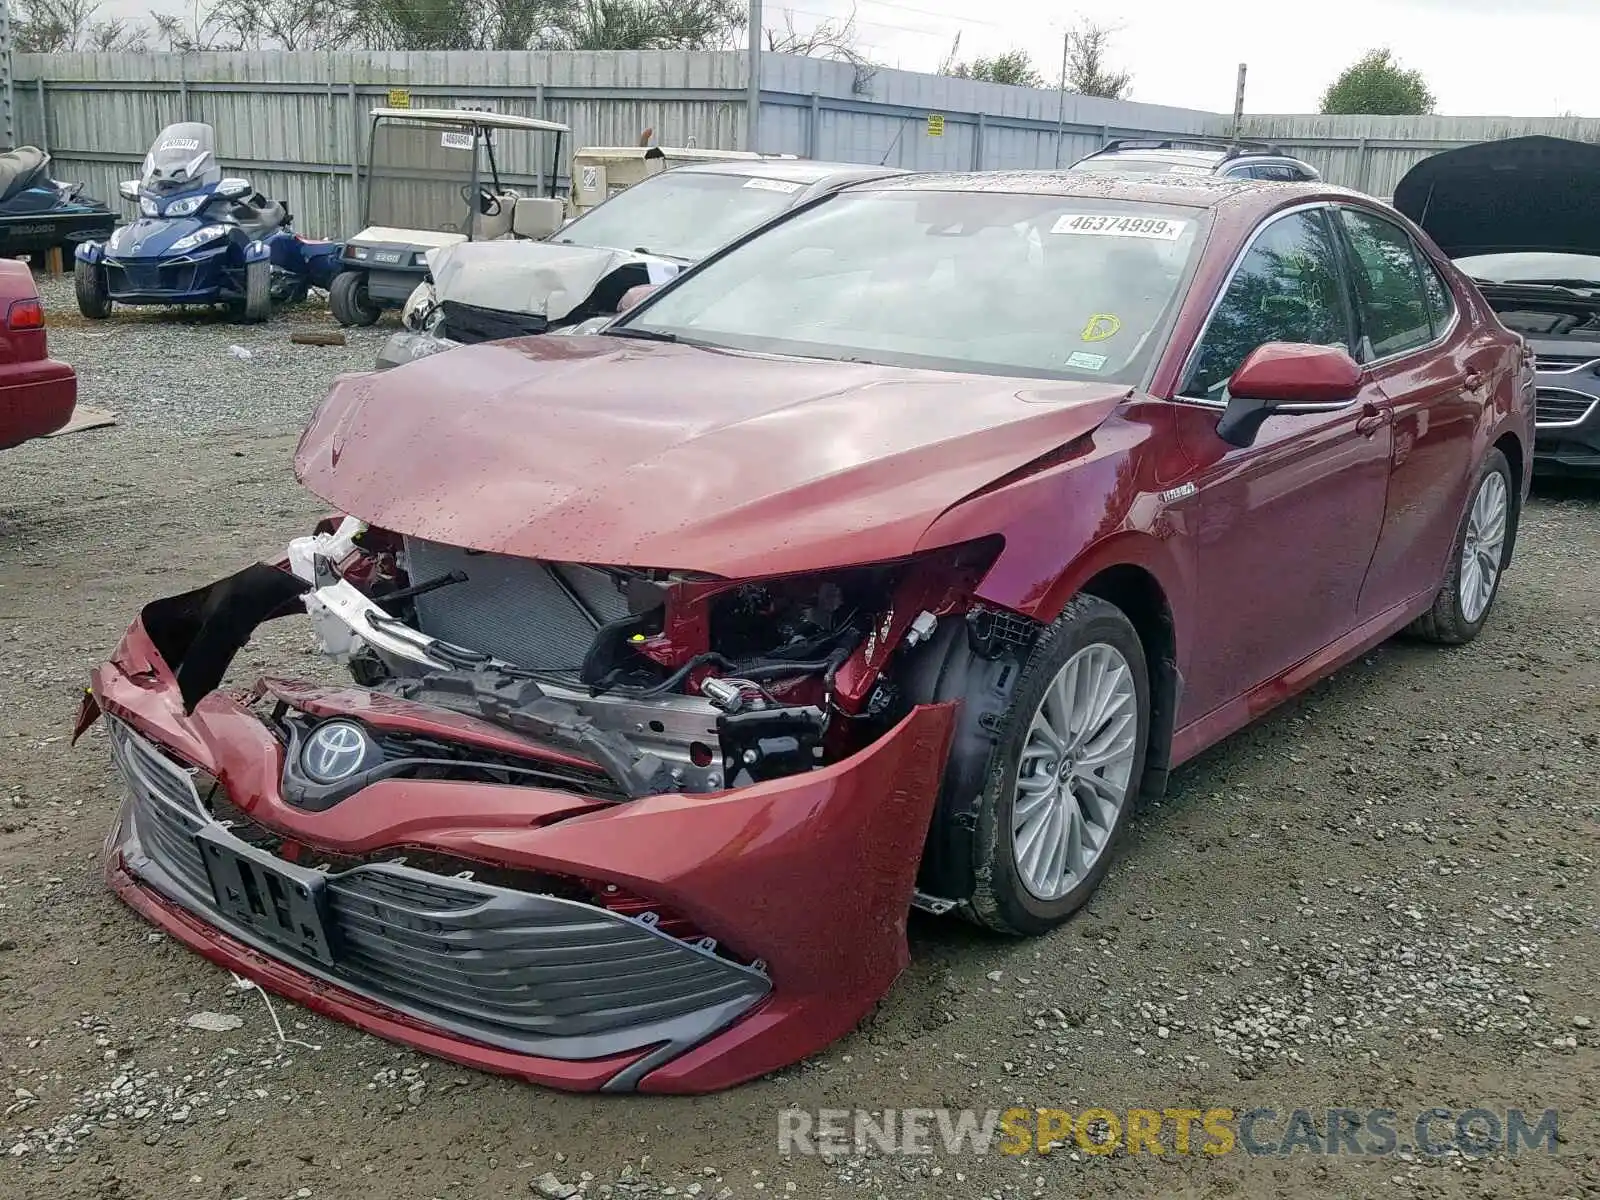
pixel 664 680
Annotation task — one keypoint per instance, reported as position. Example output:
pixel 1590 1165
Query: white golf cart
pixel 433 179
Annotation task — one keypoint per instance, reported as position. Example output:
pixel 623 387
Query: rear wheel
pixel 1477 559
pixel 257 305
pixel 349 302
pixel 89 282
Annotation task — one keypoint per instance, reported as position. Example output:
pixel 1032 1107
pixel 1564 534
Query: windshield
pixel 682 214
pixel 1533 267
pixel 1122 164
pixel 1053 286
pixel 425 175
pixel 182 157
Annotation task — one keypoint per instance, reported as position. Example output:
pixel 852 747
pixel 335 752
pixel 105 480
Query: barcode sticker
pixel 773 185
pixel 1161 229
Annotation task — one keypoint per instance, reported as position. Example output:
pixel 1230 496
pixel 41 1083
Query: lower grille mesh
pixel 531 972
pixel 1559 406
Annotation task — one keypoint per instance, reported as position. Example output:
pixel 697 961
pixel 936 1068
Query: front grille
pixel 535 973
pixel 1556 407
pixel 1564 363
pixel 139 277
pixel 538 615
pixel 470 324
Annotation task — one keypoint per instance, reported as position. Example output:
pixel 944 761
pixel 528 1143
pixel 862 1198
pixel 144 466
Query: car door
pixel 1283 529
pixel 1436 375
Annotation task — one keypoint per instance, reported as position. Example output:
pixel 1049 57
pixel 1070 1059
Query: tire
pixel 257 305
pixel 89 282
pixel 989 845
pixel 348 301
pixel 1460 610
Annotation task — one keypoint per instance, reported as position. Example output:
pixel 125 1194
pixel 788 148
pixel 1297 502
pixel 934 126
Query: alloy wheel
pixel 1076 770
pixel 1483 546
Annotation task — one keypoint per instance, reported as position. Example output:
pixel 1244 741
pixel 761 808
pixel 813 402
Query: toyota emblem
pixel 335 752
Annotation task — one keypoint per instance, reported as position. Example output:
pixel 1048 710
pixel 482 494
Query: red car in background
pixel 37 393
pixel 886 558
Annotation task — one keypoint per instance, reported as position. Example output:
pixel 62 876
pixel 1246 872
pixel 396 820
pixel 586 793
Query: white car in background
pixel 576 278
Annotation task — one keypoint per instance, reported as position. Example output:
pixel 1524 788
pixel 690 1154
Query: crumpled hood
pixel 1519 194
pixel 544 279
pixel 628 453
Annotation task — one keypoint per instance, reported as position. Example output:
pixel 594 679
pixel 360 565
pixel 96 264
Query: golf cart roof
pixel 685 153
pixel 471 116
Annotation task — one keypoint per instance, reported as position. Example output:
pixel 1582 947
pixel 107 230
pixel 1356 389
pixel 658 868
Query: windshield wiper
pixel 1582 284
pixel 643 335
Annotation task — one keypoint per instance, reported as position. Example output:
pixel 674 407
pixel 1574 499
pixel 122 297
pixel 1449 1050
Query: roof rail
pixel 1233 146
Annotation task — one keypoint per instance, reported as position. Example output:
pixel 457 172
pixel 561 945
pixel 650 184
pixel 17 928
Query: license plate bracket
pixel 280 902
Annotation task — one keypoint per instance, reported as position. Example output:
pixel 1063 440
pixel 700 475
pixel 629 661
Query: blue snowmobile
pixel 38 212
pixel 200 238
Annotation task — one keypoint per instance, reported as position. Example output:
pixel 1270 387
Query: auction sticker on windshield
pixel 1163 229
pixel 454 140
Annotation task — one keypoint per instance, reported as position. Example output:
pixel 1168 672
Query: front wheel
pixel 349 302
pixel 1067 731
pixel 1477 559
pixel 89 282
pixel 257 305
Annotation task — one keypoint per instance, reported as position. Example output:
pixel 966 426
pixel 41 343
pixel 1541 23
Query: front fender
pixel 90 252
pixel 257 252
pixel 1096 504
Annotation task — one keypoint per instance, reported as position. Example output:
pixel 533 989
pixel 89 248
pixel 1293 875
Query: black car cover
pixel 1520 194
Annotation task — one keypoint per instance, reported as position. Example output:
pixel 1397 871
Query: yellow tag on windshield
pixel 1102 327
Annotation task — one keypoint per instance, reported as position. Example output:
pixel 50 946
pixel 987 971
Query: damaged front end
pixel 596 826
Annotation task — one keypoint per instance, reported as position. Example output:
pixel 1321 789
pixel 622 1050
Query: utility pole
pixel 752 99
pixel 1061 99
pixel 1238 106
pixel 8 126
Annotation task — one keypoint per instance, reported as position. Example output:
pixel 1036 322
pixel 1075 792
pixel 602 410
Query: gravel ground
pixel 1384 895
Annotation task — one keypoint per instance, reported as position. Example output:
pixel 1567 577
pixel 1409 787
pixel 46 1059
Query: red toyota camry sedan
pixel 887 558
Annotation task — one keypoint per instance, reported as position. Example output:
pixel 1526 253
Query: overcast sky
pixel 1517 58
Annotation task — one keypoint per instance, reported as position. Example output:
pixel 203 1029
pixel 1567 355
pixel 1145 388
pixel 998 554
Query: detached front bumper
pixel 797 890
pixel 406 346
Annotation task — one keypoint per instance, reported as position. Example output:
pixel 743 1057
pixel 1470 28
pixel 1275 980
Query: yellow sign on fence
pixel 935 124
pixel 399 97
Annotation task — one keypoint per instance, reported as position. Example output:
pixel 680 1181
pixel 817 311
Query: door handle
pixel 1372 419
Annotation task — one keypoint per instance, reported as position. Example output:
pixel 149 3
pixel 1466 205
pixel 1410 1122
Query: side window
pixel 1287 289
pixel 1390 292
pixel 1441 305
pixel 1277 173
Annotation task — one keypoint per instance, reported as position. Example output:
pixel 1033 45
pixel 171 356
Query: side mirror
pixel 232 188
pixel 635 294
pixel 1279 374
pixel 537 217
pixel 129 189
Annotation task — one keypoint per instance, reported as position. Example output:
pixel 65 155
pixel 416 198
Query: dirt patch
pixel 1382 896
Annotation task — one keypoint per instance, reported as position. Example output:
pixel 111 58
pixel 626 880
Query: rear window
pixel 682 214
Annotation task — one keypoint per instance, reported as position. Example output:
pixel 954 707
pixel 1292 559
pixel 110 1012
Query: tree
pixel 1088 70
pixel 641 24
pixel 54 26
pixel 1376 84
pixel 830 38
pixel 1013 67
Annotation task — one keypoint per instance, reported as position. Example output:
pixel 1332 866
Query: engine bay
pixel 664 680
